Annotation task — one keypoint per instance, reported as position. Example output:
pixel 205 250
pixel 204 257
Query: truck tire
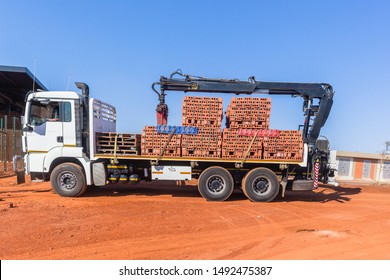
pixel 215 184
pixel 67 179
pixel 260 185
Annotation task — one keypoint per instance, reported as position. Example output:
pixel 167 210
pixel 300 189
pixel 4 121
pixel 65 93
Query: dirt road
pixel 165 221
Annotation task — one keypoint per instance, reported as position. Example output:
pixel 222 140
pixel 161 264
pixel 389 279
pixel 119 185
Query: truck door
pixel 68 119
pixel 44 132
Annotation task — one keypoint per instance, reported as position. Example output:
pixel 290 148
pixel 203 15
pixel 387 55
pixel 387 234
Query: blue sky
pixel 119 48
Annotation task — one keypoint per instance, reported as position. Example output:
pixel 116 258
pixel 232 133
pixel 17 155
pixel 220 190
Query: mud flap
pixel 20 179
pixel 99 174
pixel 18 167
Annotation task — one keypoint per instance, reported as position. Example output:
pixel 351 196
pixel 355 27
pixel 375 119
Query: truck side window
pixel 67 117
pixel 53 112
pixel 43 112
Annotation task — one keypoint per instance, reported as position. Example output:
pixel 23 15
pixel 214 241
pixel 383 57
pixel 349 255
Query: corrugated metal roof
pixel 15 82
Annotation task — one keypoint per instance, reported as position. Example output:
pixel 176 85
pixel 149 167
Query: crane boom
pixel 316 113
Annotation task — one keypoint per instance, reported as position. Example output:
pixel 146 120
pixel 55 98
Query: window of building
pixel 386 170
pixel 366 169
pixel 344 166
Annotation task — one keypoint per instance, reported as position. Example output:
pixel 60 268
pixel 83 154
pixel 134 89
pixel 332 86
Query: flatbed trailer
pixel 284 170
pixel 65 152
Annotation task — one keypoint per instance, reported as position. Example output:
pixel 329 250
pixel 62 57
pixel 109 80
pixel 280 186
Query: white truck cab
pixel 57 131
pixel 51 128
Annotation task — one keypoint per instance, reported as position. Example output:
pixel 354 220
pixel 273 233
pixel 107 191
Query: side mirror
pixel 27 128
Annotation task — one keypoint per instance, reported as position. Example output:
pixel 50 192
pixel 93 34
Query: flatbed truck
pixel 59 142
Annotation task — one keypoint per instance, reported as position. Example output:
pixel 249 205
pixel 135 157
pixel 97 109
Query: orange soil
pixel 171 221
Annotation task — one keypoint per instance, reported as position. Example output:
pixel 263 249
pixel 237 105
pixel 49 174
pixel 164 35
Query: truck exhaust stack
pixel 85 94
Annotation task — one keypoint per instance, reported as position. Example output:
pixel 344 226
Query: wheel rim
pixel 215 184
pixel 261 186
pixel 67 181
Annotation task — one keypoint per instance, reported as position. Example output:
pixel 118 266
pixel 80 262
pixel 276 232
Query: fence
pixel 10 144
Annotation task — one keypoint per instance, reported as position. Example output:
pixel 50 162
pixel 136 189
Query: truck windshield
pixel 43 112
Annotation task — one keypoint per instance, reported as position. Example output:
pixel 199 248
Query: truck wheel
pixel 260 185
pixel 215 184
pixel 67 179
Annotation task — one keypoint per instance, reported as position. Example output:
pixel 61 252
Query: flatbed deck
pixel 198 159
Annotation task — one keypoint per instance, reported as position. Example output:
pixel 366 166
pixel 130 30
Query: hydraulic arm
pixel 317 97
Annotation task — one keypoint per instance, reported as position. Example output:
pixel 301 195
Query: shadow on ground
pixel 326 193
pixel 172 188
pixel 176 189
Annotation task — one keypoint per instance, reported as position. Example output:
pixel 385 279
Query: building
pixel 362 167
pixel 15 83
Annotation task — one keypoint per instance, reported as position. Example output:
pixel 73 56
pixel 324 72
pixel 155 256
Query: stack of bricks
pixel 289 145
pixel 251 113
pixel 243 114
pixel 202 111
pixel 205 113
pixel 236 146
pixel 248 113
pixel 152 143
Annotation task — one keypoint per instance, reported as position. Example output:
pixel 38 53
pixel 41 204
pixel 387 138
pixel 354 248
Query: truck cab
pixel 59 127
pixel 52 128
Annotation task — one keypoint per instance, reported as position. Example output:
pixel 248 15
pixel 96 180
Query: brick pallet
pixel 248 113
pixel 253 113
pixel 236 146
pixel 126 144
pixel 207 143
pixel 206 113
pixel 206 137
pixel 288 139
pixel 202 111
pixel 243 113
pixel 152 143
pixel 289 145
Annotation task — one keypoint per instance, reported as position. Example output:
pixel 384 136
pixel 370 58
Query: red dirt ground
pixel 169 221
